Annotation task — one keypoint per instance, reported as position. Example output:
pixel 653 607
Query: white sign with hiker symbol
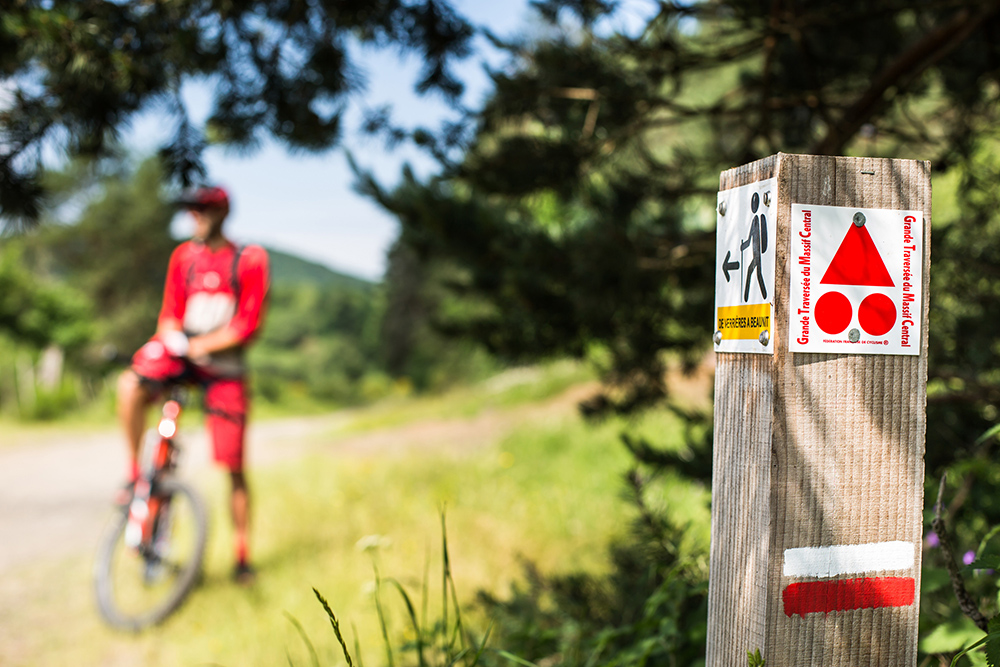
pixel 744 272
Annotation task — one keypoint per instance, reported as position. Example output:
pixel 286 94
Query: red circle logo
pixel 877 314
pixel 833 312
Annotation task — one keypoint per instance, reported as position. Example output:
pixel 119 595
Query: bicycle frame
pixel 145 507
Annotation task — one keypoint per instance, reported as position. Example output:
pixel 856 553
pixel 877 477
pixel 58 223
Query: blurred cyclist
pixel 213 303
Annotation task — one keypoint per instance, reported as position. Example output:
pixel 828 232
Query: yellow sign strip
pixel 743 322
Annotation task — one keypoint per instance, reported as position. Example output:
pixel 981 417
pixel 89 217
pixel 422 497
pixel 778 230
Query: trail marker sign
pixel 817 464
pixel 744 271
pixel 856 280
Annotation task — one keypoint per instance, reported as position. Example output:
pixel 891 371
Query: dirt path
pixel 55 493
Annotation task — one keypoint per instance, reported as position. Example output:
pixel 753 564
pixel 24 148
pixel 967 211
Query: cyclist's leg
pixel 151 370
pixel 240 505
pixel 134 397
pixel 225 405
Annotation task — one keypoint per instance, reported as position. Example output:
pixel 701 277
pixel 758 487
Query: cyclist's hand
pixel 176 343
pixel 197 352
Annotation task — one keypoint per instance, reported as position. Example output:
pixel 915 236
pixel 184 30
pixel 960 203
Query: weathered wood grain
pixel 816 449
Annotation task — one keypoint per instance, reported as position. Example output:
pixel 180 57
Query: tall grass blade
pixel 336 627
pixel 514 658
pixel 458 633
pixel 425 587
pixel 445 576
pixel 413 621
pixel 482 647
pixel 381 616
pixel 456 658
pixel 305 639
pixel 994 430
pixel 357 645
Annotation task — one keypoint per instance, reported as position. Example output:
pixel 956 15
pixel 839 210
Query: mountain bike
pixel 151 554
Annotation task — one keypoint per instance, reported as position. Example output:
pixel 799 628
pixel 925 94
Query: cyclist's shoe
pixel 244 574
pixel 124 495
pixel 153 572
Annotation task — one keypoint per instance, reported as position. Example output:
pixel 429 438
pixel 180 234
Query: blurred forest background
pixel 571 217
pixel 82 296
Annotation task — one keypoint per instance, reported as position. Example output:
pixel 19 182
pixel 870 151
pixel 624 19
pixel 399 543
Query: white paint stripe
pixel 841 559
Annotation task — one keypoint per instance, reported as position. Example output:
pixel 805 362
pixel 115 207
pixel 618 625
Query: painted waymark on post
pixel 840 584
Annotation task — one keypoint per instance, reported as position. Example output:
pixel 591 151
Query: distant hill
pixel 289 269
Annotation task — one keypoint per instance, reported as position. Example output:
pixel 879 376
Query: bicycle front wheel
pixel 140 586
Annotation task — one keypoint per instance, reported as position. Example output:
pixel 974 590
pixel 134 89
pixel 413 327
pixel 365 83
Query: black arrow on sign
pixel 728 266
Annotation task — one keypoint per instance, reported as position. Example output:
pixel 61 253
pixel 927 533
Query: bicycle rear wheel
pixel 140 587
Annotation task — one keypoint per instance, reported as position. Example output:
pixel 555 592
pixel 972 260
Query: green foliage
pixel 432 642
pixel 315 338
pixel 575 212
pixel 416 339
pixel 116 251
pixel 39 313
pixel 77 71
pixel 291 270
pixel 990 644
pixel 755 659
pixel 651 608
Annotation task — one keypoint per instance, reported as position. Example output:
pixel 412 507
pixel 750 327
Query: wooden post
pixel 820 397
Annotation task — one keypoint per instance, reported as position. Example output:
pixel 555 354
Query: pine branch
pixel 965 601
pixel 901 72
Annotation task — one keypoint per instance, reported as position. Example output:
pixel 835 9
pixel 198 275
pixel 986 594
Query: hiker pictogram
pixel 757 242
pixel 857 262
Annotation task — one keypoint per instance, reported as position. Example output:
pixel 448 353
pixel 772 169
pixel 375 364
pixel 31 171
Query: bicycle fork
pixel 145 509
pixel 142 512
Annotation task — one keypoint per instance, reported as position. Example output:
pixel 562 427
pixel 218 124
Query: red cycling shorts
pixel 225 398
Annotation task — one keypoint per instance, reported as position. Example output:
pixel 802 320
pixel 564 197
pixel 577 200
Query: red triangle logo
pixel 857 262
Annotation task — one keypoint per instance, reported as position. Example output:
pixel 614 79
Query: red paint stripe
pixel 809 597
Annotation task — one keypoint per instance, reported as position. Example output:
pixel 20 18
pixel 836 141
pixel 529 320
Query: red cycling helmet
pixel 206 197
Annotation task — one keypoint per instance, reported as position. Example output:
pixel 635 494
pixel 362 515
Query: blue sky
pixel 305 204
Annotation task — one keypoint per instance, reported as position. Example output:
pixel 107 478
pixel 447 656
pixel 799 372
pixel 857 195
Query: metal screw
pixel 717 337
pixel 722 208
pixel 764 338
pixel 767 199
pixel 859 219
pixel 854 335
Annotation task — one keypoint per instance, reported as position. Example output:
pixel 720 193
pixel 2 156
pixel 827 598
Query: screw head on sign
pixel 854 335
pixel 764 338
pixel 859 219
pixel 767 199
pixel 717 337
pixel 722 208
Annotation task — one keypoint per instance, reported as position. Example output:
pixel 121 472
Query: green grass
pixel 516 386
pixel 547 489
